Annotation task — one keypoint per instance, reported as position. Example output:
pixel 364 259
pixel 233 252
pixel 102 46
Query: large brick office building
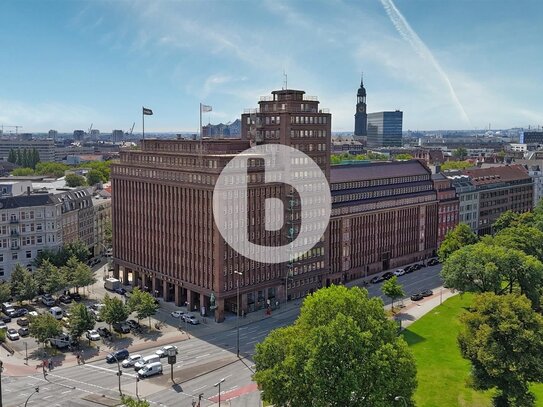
pixel 166 239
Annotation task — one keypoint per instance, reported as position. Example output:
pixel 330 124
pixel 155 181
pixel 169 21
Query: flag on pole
pixel 147 112
pixel 206 108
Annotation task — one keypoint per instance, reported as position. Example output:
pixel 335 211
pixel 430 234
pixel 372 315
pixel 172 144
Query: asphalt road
pixel 202 362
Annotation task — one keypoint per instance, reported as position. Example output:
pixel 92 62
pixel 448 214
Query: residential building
pixel 501 189
pixel 448 206
pixel 361 115
pixel 468 197
pixel 385 129
pixel 77 216
pixel 102 222
pixel 384 215
pixel 45 148
pixel 28 225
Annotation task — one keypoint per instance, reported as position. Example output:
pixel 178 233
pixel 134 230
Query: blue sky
pixel 447 64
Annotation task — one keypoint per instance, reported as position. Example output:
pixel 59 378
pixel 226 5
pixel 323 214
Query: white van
pixel 56 312
pixel 145 361
pixel 150 369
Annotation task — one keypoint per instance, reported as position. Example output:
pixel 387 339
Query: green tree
pixel 52 169
pixel 403 156
pixel 392 289
pixel 506 219
pixel 77 249
pixel 22 172
pixel 461 153
pixel 94 177
pixel 55 281
pixel 485 267
pixel 455 239
pixel 25 159
pixel 5 292
pixel 80 275
pixel 44 326
pixel 17 277
pixel 12 156
pixel 74 180
pixel 18 157
pixel 131 402
pixel 502 337
pixel 102 167
pixel 521 237
pixel 81 320
pixel 42 273
pixel 35 158
pixel 27 287
pixel 113 310
pixel 341 351
pixel 143 304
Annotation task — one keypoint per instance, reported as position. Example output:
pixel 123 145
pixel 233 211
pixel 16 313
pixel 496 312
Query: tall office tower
pixel 361 115
pixel 166 238
pixel 385 129
pixel 117 136
pixel 53 134
pixel 79 135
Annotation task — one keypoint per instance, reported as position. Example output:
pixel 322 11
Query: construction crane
pixel 13 127
pixel 90 129
pixel 132 129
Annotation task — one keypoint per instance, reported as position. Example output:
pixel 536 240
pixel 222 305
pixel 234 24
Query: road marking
pixel 109 370
pixel 202 356
pixel 248 343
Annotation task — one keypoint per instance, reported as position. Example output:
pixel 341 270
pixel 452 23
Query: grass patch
pixel 441 370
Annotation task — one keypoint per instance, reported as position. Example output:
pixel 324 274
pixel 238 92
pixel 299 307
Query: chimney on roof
pixel 28 191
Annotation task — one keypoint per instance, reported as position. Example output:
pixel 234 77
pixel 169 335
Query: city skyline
pixel 76 63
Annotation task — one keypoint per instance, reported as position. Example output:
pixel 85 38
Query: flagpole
pixel 200 125
pixel 143 122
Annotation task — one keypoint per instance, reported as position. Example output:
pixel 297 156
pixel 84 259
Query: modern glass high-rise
pixel 385 129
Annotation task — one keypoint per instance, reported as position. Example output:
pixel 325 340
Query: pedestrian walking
pixel 50 364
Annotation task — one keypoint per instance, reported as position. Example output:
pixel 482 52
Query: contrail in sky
pixel 408 34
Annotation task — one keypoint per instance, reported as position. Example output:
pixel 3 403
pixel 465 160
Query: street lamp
pixel 1 369
pixel 239 273
pixel 119 374
pixel 137 381
pixel 219 385
pixel 36 390
pixel 398 398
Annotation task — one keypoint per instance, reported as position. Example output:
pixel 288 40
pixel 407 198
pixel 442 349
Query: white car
pixel 33 314
pixel 177 314
pixel 93 335
pixel 191 319
pixel 399 272
pixel 163 352
pixel 131 360
pixel 12 334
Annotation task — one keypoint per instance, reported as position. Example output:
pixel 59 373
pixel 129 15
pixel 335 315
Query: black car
pixel 427 293
pixel 24 331
pixel 121 327
pixel 75 296
pixel 388 275
pixel 5 318
pixel 417 297
pixel 65 299
pixel 408 269
pixel 19 312
pixel 103 332
pixel 117 356
pixel 133 324
pixel 120 291
pixel 433 262
pixel 376 279
pixel 417 266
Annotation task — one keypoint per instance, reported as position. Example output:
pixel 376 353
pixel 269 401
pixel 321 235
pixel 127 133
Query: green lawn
pixel 442 372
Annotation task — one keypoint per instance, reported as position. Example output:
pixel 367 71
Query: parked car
pixel 47 301
pixel 3 325
pixel 163 352
pixel 133 324
pixel 409 269
pixel 75 296
pixel 103 332
pixel 23 331
pixel 388 275
pixel 5 319
pixel 417 297
pixel 146 360
pixel 417 266
pixel 191 319
pixel 12 334
pixel 120 291
pixel 93 335
pixel 22 321
pixel 177 314
pixel 433 262
pixel 131 360
pixel 150 369
pixel 33 314
pixel 121 327
pixel 399 272
pixel 118 355
pixel 65 299
pixel 108 253
pixel 377 279
pixel 427 293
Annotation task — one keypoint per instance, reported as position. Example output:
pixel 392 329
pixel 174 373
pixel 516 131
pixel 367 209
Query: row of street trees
pixel 502 333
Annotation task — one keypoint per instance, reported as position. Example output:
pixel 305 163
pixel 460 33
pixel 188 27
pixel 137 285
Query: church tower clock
pixel 361 116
